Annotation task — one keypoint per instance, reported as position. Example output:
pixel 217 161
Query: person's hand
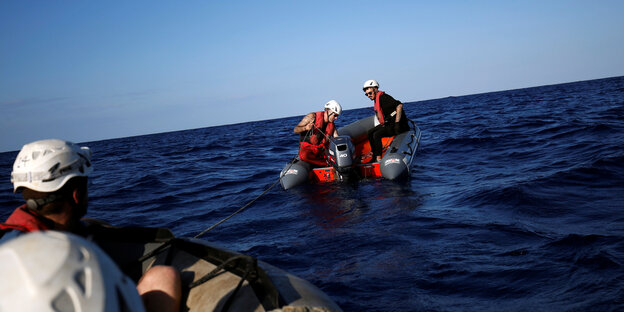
pixel 309 126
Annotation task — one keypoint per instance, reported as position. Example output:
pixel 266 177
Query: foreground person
pixel 57 271
pixel 313 131
pixel 389 112
pixel 52 176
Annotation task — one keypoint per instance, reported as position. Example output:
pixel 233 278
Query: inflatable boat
pixel 213 278
pixel 347 157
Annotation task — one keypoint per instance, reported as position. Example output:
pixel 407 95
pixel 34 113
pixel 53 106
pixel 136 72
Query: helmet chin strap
pixel 38 203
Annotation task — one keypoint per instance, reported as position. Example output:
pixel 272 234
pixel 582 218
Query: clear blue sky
pixel 91 70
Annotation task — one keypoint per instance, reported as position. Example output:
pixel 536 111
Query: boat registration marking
pixel 391 161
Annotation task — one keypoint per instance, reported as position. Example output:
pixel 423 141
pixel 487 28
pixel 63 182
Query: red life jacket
pixel 25 220
pixel 378 110
pixel 317 137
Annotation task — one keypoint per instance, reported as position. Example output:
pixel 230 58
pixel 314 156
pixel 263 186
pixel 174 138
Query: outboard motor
pixel 341 154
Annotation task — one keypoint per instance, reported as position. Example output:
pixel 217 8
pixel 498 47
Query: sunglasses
pixel 369 93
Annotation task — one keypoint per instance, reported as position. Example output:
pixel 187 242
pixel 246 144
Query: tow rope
pixel 237 211
pixel 257 197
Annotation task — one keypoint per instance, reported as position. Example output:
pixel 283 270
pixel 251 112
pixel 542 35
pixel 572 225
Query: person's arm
pixel 307 123
pixel 397 126
pixel 399 111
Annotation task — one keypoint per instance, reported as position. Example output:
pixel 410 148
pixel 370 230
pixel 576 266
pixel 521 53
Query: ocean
pixel 515 202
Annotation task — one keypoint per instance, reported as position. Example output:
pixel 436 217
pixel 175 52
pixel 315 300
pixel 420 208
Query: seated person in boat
pixel 389 112
pixel 52 176
pixel 314 131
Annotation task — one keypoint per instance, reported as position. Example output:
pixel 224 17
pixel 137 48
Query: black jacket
pixel 388 106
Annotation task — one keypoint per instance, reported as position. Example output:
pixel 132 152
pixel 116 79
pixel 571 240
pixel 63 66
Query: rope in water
pixel 239 210
pixel 257 197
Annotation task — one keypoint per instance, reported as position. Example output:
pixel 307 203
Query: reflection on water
pixel 336 205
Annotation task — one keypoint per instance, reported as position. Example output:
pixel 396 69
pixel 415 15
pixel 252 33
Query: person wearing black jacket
pixel 389 112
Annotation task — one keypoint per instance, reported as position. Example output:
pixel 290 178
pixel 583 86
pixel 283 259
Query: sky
pixel 92 70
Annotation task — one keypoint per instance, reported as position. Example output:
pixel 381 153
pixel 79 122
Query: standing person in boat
pixel 52 176
pixel 314 130
pixel 389 112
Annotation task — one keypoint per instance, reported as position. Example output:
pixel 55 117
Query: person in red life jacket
pixel 389 112
pixel 52 176
pixel 314 130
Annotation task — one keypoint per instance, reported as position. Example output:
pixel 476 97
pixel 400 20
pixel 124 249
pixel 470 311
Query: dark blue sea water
pixel 515 203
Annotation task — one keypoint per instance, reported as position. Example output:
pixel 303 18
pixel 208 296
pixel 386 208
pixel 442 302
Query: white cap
pixel 334 106
pixel 54 271
pixel 46 165
pixel 370 84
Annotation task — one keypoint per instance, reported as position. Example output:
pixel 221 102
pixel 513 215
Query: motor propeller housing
pixel 341 153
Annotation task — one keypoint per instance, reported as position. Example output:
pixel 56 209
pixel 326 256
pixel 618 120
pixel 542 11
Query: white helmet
pixel 46 165
pixel 370 84
pixel 334 106
pixel 54 271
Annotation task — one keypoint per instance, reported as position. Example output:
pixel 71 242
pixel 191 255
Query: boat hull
pixel 213 278
pixel 396 161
